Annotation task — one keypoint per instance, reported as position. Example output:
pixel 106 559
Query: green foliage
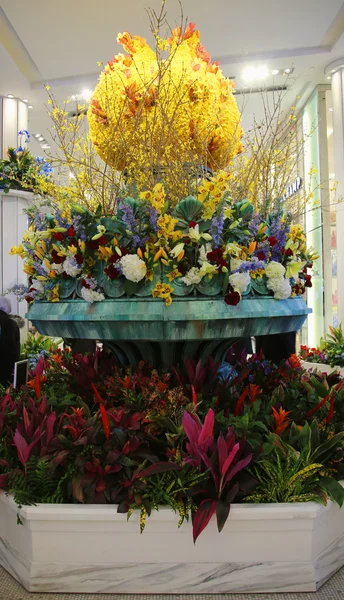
pixel 36 343
pixel 18 171
pixel 38 483
pixel 333 347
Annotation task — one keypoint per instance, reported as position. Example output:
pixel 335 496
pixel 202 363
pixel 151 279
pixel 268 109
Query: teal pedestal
pixel 145 329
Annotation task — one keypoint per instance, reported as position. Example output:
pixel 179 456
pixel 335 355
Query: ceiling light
pixel 25 100
pixel 37 135
pixel 252 73
pixel 30 106
pixel 73 97
pixel 333 71
pixel 45 146
pixel 331 109
pixel 329 77
pixel 41 139
pixel 288 71
pixel 274 71
pixel 10 96
pixel 86 94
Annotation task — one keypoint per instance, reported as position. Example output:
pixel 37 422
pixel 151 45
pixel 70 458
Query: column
pixel 336 72
pixel 13 221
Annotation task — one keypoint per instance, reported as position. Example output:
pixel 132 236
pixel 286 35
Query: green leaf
pixel 333 489
pixel 130 287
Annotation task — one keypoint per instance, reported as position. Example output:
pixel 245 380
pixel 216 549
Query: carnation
pixel 274 270
pixel 192 277
pixel 91 296
pixel 280 287
pixel 240 281
pixel 133 267
pixel 71 267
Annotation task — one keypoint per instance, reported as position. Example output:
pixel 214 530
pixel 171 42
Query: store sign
pixel 293 188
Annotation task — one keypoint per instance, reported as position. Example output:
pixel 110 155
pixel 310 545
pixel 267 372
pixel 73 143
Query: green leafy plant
pixel 333 347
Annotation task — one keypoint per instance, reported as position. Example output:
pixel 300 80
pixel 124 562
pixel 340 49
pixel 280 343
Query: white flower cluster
pixel 277 283
pixel 133 267
pixel 274 270
pixel 192 277
pixel 280 287
pixel 91 296
pixel 235 263
pixel 240 281
pixel 58 268
pixel 71 267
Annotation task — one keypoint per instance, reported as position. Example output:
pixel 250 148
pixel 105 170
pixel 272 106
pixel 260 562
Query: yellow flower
pixel 28 269
pixel 164 291
pixel 166 227
pixel 53 295
pixel 17 250
pixel 173 274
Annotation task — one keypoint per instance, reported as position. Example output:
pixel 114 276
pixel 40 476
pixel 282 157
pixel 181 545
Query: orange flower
pixel 79 412
pixel 254 391
pixel 294 361
pixel 57 358
pixel 32 383
pixel 280 418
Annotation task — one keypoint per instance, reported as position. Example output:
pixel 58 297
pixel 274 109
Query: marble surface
pixel 264 548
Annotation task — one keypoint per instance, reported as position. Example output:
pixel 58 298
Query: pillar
pixel 336 71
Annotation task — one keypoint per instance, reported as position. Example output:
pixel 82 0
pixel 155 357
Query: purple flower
pixel 279 231
pixel 131 222
pixel 216 229
pixel 153 217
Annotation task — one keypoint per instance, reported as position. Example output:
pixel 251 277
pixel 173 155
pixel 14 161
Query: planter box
pixel 91 548
pixel 322 367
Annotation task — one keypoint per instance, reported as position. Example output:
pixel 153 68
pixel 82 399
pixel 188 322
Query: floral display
pixel 206 245
pixel 139 96
pixel 21 170
pixel 87 430
pixel 330 352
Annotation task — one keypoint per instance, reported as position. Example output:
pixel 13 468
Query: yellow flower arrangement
pixel 148 112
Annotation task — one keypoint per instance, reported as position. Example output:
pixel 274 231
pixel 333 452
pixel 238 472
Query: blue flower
pixel 20 149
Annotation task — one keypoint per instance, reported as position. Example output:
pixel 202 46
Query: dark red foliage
pixel 56 258
pixel 59 237
pixel 272 240
pixel 216 257
pixel 112 272
pixel 232 298
pixel 71 232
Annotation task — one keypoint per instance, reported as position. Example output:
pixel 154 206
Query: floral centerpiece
pixel 165 224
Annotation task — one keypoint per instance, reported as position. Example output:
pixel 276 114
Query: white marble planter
pixel 322 368
pixel 263 548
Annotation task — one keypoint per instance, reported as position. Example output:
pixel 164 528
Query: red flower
pixel 58 236
pixel 287 252
pixel 192 223
pixel 261 255
pixel 71 232
pixel 58 260
pixel 272 240
pixel 232 298
pixel 308 281
pixel 94 244
pixel 85 284
pixel 112 272
pixel 216 256
pixel 79 258
pixel 280 419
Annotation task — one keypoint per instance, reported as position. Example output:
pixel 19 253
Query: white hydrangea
pixel 133 267
pixel 240 281
pixel 280 287
pixel 192 277
pixel 91 296
pixel 274 270
pixel 37 285
pixel 58 268
pixel 71 267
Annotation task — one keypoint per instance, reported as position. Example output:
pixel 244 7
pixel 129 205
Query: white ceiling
pixel 60 42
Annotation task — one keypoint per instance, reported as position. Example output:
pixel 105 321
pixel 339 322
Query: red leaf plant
pixel 224 458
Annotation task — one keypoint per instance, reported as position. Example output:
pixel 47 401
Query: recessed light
pixel 25 100
pixel 252 73
pixel 331 109
pixel 30 106
pixel 329 77
pixel 275 72
pixel 288 71
pixel 45 146
pixel 333 71
pixel 86 94
pixel 10 96
pixel 73 97
pixel 37 135
pixel 41 139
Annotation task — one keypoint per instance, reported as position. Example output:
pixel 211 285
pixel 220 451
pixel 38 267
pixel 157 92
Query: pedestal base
pixel 89 548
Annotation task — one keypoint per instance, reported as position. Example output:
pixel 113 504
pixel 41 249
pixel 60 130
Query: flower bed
pixel 85 433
